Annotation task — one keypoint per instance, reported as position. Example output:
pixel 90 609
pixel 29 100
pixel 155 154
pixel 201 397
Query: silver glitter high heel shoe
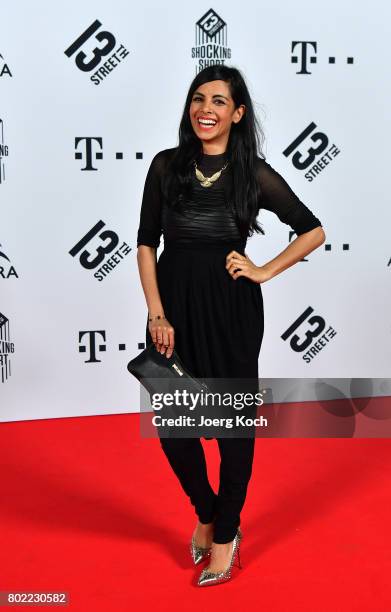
pixel 198 553
pixel 208 578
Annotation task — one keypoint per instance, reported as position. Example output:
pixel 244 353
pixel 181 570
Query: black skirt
pixel 218 321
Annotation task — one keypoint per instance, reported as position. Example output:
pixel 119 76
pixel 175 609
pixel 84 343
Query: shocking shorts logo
pixel 3 152
pixel 6 348
pixel 210 41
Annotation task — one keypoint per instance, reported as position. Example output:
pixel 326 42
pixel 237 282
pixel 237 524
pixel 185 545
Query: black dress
pixel 218 321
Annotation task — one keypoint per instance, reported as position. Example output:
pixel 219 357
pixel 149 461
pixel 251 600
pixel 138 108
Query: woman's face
pixel 212 101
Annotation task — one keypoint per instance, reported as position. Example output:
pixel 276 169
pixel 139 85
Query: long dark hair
pixel 244 144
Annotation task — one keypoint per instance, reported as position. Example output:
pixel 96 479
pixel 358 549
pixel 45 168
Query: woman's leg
pixel 235 471
pixel 187 459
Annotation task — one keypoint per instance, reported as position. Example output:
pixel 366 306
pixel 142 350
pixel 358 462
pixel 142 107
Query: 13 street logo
pixel 302 57
pixel 94 258
pixel 210 41
pixel 4 69
pixel 316 158
pixel 90 58
pixel 6 348
pixel 3 152
pixel 313 336
pixel 6 268
pixel 93 344
pixel 89 154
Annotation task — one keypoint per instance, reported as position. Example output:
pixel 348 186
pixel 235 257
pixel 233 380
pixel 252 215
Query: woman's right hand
pixel 162 333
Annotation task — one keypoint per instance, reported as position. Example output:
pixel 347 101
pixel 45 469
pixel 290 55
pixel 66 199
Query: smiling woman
pixel 212 111
pixel 204 294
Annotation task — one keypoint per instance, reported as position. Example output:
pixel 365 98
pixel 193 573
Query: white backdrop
pixel 49 201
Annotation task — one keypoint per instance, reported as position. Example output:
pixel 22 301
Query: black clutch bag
pixel 159 374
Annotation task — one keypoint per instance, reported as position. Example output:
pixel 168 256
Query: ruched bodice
pixel 206 218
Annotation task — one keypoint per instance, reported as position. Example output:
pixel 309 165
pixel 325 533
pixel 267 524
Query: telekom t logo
pixel 303 55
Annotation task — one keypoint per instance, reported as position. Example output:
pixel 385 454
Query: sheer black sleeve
pixel 150 230
pixel 278 197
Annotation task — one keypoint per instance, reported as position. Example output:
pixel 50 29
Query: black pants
pixel 187 459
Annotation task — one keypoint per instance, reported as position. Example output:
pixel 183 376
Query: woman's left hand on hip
pixel 241 265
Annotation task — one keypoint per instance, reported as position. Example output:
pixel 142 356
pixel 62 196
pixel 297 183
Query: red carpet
pixel 77 515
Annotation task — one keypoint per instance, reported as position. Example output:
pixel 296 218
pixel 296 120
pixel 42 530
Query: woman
pixel 203 294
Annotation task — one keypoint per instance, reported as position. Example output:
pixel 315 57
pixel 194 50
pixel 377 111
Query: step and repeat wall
pixel 90 92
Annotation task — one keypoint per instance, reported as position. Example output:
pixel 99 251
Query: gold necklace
pixel 207 181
